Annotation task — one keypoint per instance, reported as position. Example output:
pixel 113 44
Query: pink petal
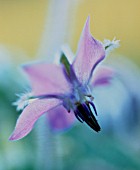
pixel 102 76
pixel 30 115
pixel 90 53
pixel 47 78
pixel 59 119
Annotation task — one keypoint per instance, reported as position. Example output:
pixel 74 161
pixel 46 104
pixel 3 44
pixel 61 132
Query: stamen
pixel 78 117
pixel 87 109
pixel 90 96
pixel 93 106
pixel 84 112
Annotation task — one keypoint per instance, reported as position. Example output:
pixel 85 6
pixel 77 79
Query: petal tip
pixel 12 138
pixel 88 19
pixel 15 137
pixel 87 24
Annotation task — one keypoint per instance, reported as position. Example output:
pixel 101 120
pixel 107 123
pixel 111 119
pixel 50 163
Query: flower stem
pixel 49 153
pixel 44 145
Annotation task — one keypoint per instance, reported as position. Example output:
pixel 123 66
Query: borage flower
pixel 65 91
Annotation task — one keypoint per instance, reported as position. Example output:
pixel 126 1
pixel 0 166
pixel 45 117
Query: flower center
pixel 81 103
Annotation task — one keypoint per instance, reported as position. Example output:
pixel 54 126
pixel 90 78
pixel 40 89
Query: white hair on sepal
pixel 110 45
pixel 23 100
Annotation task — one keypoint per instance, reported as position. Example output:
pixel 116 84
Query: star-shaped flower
pixel 64 91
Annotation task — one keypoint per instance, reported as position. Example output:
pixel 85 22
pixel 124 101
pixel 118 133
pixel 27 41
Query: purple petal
pixel 59 119
pixel 47 79
pixel 102 76
pixel 90 53
pixel 30 115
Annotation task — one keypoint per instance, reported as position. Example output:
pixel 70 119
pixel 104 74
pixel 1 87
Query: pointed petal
pixel 90 53
pixel 59 119
pixel 47 78
pixel 102 76
pixel 30 115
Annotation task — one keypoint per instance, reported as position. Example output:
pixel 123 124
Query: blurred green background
pixel 34 30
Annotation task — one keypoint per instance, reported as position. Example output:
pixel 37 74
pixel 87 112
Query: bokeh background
pixel 35 30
